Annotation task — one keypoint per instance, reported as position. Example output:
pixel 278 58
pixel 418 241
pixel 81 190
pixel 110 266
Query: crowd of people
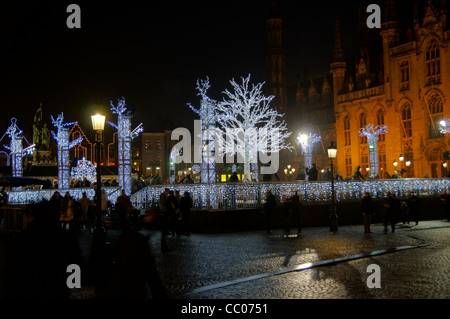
pixel 395 210
pixel 175 214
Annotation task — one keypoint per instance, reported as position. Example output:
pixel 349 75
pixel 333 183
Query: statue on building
pixel 41 138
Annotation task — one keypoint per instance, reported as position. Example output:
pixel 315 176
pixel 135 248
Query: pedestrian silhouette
pixel 269 209
pixel 134 271
pixel 367 212
pixel 185 208
pixel 39 257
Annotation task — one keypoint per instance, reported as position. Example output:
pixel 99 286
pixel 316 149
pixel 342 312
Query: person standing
pixel 185 208
pixel 164 219
pixel 173 213
pixel 296 205
pixel 312 173
pixel 389 212
pixel 67 213
pixel 269 209
pixel 124 208
pixel 413 207
pixel 367 211
pixel 84 205
pixel 55 204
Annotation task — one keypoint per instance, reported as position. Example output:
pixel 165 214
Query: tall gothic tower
pixel 338 66
pixel 275 60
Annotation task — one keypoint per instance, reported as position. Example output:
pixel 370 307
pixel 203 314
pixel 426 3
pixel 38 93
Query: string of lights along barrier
pixel 252 195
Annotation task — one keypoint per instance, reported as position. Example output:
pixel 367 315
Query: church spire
pixel 390 11
pixel 338 47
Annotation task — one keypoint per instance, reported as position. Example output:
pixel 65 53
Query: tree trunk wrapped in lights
pixel 125 136
pixel 62 139
pixel 372 133
pixel 207 113
pixel 15 147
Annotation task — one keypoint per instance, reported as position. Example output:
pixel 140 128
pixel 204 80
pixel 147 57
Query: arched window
pixel 406 121
pixel 404 75
pixel 347 136
pixel 433 62
pixel 436 109
pixel 380 122
pixel 362 124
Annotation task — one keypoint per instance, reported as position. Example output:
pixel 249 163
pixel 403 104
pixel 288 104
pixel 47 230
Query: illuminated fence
pixel 35 196
pixel 252 195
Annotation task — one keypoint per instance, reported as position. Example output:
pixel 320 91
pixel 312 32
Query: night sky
pixel 151 53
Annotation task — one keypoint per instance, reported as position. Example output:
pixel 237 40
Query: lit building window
pixel 406 121
pixel 347 136
pixel 436 109
pixel 362 124
pixel 404 75
pixel 380 122
pixel 348 166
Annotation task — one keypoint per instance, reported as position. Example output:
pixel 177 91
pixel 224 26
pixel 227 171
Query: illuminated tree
pixel 62 139
pixel 247 118
pixel 372 137
pixel 125 136
pixel 16 148
pixel 307 144
pixel 207 113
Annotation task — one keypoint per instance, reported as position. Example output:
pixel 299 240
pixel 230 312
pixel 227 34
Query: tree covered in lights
pixel 246 113
pixel 16 147
pixel 62 138
pixel 307 143
pixel 207 113
pixel 372 133
pixel 125 136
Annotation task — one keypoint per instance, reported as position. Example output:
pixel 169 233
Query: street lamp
pixel 289 171
pixel 332 152
pixel 98 124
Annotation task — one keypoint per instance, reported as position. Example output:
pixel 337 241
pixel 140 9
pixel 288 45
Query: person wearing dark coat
pixel 367 211
pixel 39 258
pixel 269 209
pixel 389 212
pixel 185 209
pixel 172 212
pixel 312 173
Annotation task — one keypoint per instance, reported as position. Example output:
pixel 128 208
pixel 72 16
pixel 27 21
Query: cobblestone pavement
pixel 199 262
pixel 413 263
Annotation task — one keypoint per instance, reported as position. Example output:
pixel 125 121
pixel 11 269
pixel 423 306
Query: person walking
pixel 413 208
pixel 367 212
pixel 389 212
pixel 164 219
pixel 269 209
pixel 185 208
